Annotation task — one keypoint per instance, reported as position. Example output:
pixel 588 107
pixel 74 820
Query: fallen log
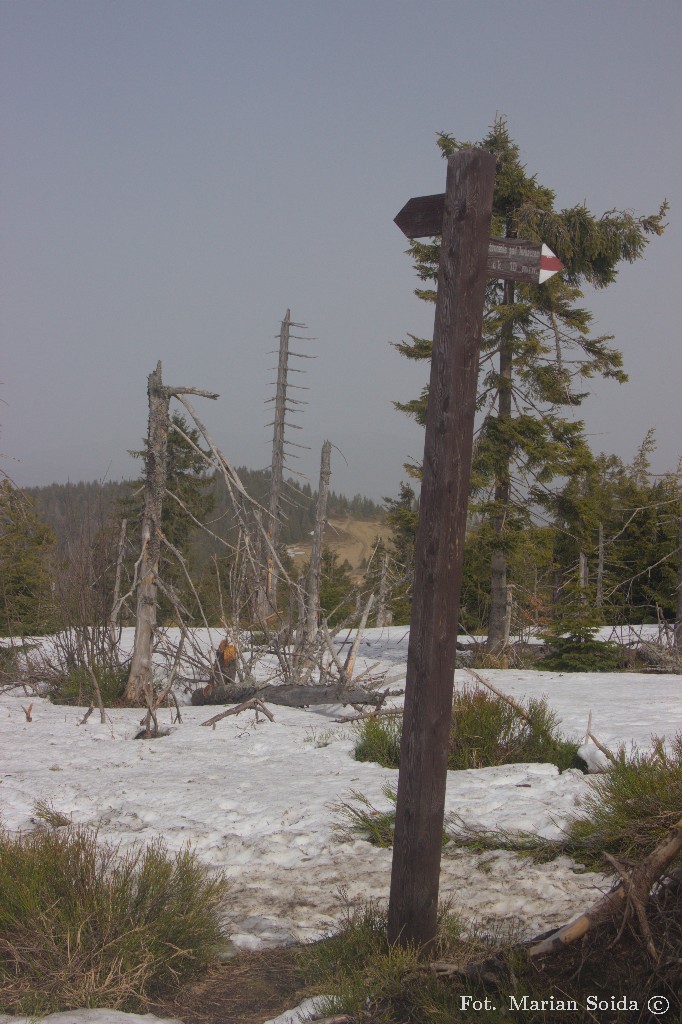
pixel 288 695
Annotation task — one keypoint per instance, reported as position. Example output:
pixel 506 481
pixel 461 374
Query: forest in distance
pixel 609 555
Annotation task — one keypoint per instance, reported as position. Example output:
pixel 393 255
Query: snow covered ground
pixel 257 798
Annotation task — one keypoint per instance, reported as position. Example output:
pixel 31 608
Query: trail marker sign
pixel 512 259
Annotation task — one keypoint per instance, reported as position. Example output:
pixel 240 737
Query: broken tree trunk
pixel 349 666
pixel 140 678
pixel 140 684
pixel 498 632
pixel 678 617
pixel 313 589
pixel 382 615
pixel 599 597
pixel 116 601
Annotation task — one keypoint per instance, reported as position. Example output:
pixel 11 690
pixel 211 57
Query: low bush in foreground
pixel 627 812
pixel 486 732
pixel 375 983
pixel 372 980
pixel 84 925
pixel 631 806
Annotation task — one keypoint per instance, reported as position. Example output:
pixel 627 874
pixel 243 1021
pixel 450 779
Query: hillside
pixel 71 509
pixel 351 537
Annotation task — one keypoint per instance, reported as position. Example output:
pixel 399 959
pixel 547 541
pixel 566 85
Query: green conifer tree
pixel 26 546
pixel 537 350
pixel 189 500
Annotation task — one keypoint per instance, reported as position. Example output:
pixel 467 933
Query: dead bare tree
pixel 139 687
pixel 313 590
pixel 116 600
pixel 382 616
pixel 284 404
pixel 678 616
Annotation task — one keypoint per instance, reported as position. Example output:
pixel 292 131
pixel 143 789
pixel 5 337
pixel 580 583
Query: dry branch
pixel 87 715
pixel 600 746
pixel 633 892
pixel 254 703
pixel 503 696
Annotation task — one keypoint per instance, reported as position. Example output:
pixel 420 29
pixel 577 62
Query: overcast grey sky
pixel 176 173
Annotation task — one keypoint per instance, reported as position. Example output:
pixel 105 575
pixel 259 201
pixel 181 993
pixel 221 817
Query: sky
pixel 175 175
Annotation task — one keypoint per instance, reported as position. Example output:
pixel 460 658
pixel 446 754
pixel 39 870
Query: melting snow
pixel 257 798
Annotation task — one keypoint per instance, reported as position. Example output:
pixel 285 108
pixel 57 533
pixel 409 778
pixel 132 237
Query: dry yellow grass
pixel 349 537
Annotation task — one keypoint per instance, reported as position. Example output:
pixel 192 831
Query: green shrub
pixel 379 740
pixel 75 687
pixel 486 731
pixel 369 980
pixel 579 651
pixel 8 661
pixel 626 813
pixel 630 807
pixel 83 925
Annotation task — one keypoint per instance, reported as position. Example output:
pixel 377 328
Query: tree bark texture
pixel 498 633
pixel 140 678
pixel 313 589
pixel 440 548
pixel 599 596
pixel 678 617
pixel 269 592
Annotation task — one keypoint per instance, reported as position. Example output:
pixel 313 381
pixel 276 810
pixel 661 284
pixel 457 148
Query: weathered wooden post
pixel 462 217
pixel 440 547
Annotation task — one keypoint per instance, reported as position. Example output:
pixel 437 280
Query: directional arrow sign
pixel 511 258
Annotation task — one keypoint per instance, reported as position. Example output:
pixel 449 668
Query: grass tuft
pixel 627 812
pixel 371 979
pixel 486 732
pixel 373 982
pixel 83 925
pixel 44 810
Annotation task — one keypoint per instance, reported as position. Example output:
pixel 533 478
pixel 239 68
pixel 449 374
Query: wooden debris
pixel 503 696
pixel 288 695
pixel 605 750
pixel 253 704
pixel 632 891
pixel 87 715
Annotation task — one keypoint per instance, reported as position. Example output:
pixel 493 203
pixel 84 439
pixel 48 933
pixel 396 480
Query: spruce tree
pixel 26 547
pixel 537 349
pixel 639 518
pixel 189 500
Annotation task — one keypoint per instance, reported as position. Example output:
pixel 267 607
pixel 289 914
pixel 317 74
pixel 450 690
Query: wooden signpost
pixel 512 259
pixel 462 216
